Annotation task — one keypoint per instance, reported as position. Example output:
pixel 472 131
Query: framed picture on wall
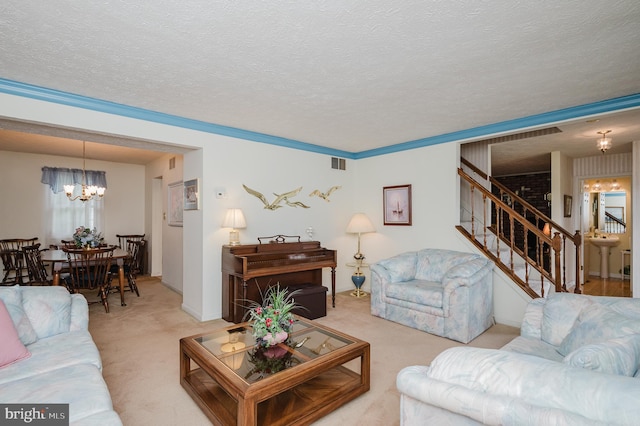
pixel 397 205
pixel 191 195
pixel 568 204
pixel 175 198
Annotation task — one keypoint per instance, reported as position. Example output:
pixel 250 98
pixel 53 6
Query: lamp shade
pixel 234 219
pixel 360 224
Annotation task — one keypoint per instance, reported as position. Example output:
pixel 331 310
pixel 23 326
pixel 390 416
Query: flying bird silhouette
pixel 276 204
pixel 325 195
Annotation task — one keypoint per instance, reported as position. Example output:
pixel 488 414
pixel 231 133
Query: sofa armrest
pixel 540 383
pixel 467 274
pixel 79 313
pixel 380 277
pixel 422 396
pixel 466 284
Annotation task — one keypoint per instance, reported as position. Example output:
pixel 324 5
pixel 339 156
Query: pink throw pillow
pixel 12 349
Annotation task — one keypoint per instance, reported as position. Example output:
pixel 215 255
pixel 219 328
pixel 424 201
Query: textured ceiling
pixel 349 75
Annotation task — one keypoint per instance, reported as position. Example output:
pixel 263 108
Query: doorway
pixel 606 224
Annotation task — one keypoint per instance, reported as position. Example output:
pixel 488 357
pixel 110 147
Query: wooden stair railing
pixel 517 224
pixel 614 225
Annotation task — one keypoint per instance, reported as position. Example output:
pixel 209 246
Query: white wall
pixel 162 236
pixel 23 195
pixel 193 266
pixel 432 172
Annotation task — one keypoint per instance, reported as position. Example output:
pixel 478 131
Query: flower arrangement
pixel 87 237
pixel 272 320
pixel 269 361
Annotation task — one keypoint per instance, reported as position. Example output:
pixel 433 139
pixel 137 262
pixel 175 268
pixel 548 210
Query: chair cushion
pixel 533 346
pixel 48 309
pixel 433 264
pixel 615 356
pixel 12 350
pixel 596 324
pixel 401 267
pixel 81 386
pixel 559 315
pixel 425 293
pixel 12 298
pixel 53 353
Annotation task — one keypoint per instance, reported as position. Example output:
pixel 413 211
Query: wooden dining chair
pixel 123 242
pixel 131 265
pixel 89 270
pixel 122 239
pixel 67 243
pixel 36 268
pixel 11 255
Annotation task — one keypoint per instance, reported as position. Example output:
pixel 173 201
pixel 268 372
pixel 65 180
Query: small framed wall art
pixel 397 205
pixel 175 198
pixel 568 205
pixel 191 195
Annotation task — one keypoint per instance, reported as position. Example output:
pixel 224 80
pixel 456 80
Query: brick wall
pixel 535 187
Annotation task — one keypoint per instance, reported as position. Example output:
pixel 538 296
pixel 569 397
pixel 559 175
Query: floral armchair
pixel 442 292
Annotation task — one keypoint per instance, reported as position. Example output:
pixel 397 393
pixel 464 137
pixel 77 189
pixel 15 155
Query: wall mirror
pixel 608 211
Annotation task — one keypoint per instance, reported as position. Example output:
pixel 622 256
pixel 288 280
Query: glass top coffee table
pixel 236 383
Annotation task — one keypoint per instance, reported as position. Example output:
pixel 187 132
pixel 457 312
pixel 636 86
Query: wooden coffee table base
pixel 298 395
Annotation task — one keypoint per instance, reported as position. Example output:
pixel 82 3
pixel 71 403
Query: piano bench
pixel 312 299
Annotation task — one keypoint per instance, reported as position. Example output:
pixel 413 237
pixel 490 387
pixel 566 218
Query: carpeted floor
pixel 140 353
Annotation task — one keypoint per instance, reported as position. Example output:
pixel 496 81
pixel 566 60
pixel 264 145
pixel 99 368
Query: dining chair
pixel 131 266
pixel 67 243
pixel 123 242
pixel 89 270
pixel 122 239
pixel 11 255
pixel 36 268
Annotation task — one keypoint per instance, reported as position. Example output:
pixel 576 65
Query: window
pixel 64 216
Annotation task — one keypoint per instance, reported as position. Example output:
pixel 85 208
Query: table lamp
pixel 234 220
pixel 359 224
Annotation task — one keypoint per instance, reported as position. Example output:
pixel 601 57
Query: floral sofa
pixel 47 355
pixel 442 292
pixel 575 362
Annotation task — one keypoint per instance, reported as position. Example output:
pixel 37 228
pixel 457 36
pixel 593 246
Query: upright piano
pixel 248 270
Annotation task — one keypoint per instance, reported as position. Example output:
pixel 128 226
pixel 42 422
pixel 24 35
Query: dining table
pixel 59 261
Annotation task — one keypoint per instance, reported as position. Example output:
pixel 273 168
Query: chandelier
pixel 88 192
pixel 604 143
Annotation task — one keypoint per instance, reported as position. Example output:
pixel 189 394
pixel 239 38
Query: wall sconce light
pixel 615 186
pixel 604 143
pixel 547 229
pixel 359 224
pixel 234 220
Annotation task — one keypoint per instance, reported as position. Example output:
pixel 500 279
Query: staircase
pixel 539 255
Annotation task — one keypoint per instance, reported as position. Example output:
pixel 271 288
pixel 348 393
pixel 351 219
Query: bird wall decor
pixel 325 195
pixel 277 203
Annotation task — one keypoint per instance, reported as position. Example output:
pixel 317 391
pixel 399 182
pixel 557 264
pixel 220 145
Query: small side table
pixel 624 253
pixel 358 278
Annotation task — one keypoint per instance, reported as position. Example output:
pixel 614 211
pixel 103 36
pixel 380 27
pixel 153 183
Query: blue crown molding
pixel 69 99
pixel 49 95
pixel 610 105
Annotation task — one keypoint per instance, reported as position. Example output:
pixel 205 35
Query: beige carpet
pixel 140 353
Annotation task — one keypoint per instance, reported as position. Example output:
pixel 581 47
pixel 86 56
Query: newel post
pixel 577 241
pixel 556 243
